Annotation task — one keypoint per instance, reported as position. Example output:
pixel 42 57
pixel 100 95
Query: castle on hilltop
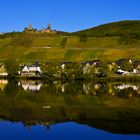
pixel 31 30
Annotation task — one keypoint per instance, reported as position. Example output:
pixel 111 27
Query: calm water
pixel 38 110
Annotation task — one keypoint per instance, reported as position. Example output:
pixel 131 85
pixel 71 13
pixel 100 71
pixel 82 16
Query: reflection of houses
pixel 130 90
pixel 31 70
pixel 126 86
pixel 3 84
pixel 89 88
pixel 30 85
pixel 3 71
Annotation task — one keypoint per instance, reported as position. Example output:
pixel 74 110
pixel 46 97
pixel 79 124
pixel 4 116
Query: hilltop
pixel 106 42
pixel 112 29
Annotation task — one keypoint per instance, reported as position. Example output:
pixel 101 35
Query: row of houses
pixel 25 70
pixel 127 66
pixel 121 65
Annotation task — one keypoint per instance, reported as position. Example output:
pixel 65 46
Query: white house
pixel 31 70
pixel 90 64
pixel 3 71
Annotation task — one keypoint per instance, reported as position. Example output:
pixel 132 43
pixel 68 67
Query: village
pixel 122 67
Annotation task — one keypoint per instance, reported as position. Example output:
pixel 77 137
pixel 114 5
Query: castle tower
pixel 30 27
pixel 49 27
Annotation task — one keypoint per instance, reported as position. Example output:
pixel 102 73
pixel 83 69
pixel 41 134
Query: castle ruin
pixel 30 29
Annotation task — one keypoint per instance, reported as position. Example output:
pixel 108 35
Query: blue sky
pixel 66 15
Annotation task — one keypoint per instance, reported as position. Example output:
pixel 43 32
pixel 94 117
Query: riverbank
pixel 100 79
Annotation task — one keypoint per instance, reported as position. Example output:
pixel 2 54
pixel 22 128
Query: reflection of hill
pixel 105 112
pixel 128 124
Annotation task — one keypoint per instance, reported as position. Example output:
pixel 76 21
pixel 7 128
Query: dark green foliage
pixel 63 42
pixel 112 29
pixel 51 70
pixel 12 34
pixel 127 66
pixel 104 69
pixel 73 71
pixel 11 88
pixel 12 67
pixel 128 38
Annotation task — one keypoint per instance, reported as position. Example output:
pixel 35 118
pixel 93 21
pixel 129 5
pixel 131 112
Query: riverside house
pixel 30 70
pixel 90 64
pixel 3 70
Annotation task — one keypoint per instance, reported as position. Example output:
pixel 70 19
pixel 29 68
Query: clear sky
pixel 65 15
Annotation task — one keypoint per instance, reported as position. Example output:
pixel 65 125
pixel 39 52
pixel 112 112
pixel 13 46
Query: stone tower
pixel 30 27
pixel 49 26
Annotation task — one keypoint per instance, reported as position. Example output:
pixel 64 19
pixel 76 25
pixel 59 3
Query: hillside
pixel 113 29
pixel 107 42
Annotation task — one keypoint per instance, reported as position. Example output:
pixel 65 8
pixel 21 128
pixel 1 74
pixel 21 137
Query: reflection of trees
pixel 126 90
pixel 72 105
pixel 11 88
pixel 89 88
pixel 74 88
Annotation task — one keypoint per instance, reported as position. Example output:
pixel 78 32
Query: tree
pixel 104 69
pixel 128 38
pixel 127 66
pixel 12 67
pixel 52 70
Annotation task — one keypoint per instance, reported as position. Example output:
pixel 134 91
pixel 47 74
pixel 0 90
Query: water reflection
pixel 113 107
pixel 3 84
pixel 87 88
pixel 30 85
pixel 62 131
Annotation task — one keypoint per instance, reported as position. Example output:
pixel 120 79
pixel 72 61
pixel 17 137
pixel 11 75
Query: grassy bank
pixel 100 79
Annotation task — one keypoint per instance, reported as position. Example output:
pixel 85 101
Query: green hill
pixel 113 29
pixel 107 42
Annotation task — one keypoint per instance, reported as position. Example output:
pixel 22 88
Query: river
pixel 40 110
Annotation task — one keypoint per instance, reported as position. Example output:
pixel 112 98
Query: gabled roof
pixel 121 61
pixel 66 62
pixel 94 62
pixel 136 63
